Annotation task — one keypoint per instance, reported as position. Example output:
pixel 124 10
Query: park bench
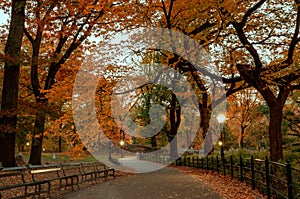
pixel 108 171
pixel 88 172
pixel 55 174
pixel 71 172
pixel 16 182
pixel 38 179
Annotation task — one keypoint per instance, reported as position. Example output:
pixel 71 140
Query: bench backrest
pixel 11 177
pixel 45 172
pixel 88 167
pixel 100 166
pixel 71 169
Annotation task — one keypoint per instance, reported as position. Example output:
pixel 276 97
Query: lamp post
pixel 122 144
pixel 221 118
pixel 27 146
pixel 222 149
pixel 109 149
pixel 122 137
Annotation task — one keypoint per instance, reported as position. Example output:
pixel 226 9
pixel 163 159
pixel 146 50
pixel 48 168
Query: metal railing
pixel 273 179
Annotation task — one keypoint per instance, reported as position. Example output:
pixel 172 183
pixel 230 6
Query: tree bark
pixel 242 137
pixel 275 135
pixel 153 141
pixel 175 113
pixel 59 144
pixel 10 91
pixel 205 114
pixel 37 136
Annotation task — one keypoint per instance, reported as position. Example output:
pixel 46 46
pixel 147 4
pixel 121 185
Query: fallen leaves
pixel 225 186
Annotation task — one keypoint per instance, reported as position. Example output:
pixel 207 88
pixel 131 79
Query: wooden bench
pixel 37 179
pixel 71 173
pixel 55 174
pixel 108 171
pixel 88 172
pixel 16 182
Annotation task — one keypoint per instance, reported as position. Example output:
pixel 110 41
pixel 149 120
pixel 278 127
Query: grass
pixel 52 158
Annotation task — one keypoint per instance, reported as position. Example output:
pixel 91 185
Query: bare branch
pixel 251 11
pixel 295 40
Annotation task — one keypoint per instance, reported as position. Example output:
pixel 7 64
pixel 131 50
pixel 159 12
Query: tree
pixel 291 115
pixel 9 104
pixel 200 21
pixel 263 49
pixel 55 31
pixel 242 113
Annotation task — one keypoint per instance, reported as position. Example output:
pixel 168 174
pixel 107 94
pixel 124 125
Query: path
pixel 165 183
pixel 140 166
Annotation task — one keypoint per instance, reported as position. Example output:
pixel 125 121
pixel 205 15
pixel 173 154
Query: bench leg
pixel 77 182
pixel 25 190
pixel 72 184
pixel 49 190
pixel 39 190
pixel 106 175
pixel 94 178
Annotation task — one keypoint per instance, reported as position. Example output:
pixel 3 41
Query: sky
pixel 3 17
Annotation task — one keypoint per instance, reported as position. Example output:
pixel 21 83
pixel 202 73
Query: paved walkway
pixel 165 183
pixel 131 163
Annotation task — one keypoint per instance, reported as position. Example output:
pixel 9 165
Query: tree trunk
pixel 241 143
pixel 59 144
pixel 9 104
pixel 174 123
pixel 204 124
pixel 37 137
pixel 153 141
pixel 275 135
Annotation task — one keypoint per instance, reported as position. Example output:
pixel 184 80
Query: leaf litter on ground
pixel 225 186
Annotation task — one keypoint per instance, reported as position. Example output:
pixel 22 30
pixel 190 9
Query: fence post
pixel 252 173
pixel 180 161
pixel 207 166
pixel 189 161
pixel 202 163
pixel 193 162
pixel 184 160
pixel 177 161
pixel 224 165
pixel 231 166
pixel 217 164
pixel 197 164
pixel 267 178
pixel 241 169
pixel 289 179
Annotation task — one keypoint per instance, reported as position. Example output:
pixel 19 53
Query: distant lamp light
pixel 122 144
pixel 221 118
pixel 220 143
pixel 44 149
pixel 27 143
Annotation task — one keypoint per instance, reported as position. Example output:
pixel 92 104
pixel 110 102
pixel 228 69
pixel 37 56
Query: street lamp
pixel 109 149
pixel 122 144
pixel 221 119
pixel 27 146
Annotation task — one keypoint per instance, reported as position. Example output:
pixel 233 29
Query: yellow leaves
pixel 76 152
